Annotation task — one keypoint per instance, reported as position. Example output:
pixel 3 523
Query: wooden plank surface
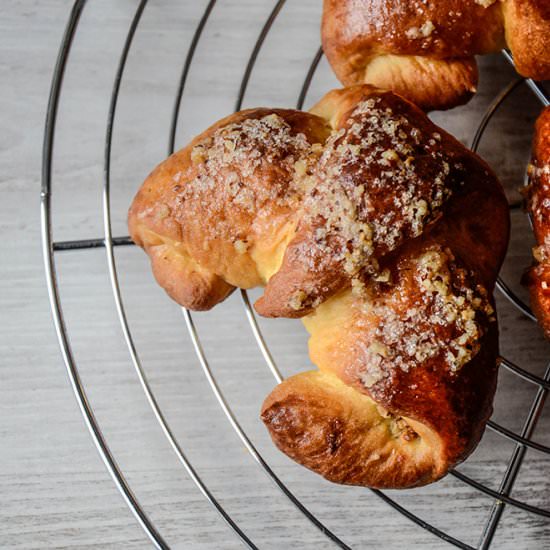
pixel 54 490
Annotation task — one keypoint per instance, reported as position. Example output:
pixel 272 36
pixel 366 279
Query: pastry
pixel 378 229
pixel 538 203
pixel 424 50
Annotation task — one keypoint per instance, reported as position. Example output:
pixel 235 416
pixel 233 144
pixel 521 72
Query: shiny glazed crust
pixel 357 218
pixel 225 231
pixel 425 50
pixel 394 429
pixel 538 277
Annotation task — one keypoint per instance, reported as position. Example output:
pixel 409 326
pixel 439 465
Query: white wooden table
pixel 54 489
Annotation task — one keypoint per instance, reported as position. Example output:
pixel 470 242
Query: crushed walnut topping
pixel 246 166
pixel 380 181
pixel 538 202
pixel 538 192
pixel 446 320
pixel 540 253
pixel 235 152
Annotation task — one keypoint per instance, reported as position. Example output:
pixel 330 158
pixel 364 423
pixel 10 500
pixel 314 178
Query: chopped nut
pixel 163 211
pixel 390 154
pixel 229 145
pixel 274 120
pixel 539 253
pixel 300 167
pixel 297 300
pixel 379 349
pixel 427 28
pixel 485 3
pixel 358 287
pixel 409 434
pixel 383 277
pixel 423 32
pixel 468 314
pixel 241 246
pixel 317 148
pixel 198 155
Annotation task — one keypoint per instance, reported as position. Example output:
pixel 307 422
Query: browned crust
pixel 484 231
pixel 425 52
pixel 538 277
pixel 340 432
pixel 452 406
pixel 432 84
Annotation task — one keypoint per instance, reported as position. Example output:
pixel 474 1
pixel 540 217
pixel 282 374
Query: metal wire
pixel 489 113
pixel 513 469
pixel 269 359
pixel 244 438
pixel 184 74
pixel 535 87
pixel 81 244
pixel 115 283
pixel 522 440
pixel 522 373
pixel 53 290
pixel 309 77
pixel 424 524
pixel 512 436
pixel 187 314
pixel 256 50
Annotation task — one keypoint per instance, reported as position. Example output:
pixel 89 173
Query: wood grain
pixel 54 490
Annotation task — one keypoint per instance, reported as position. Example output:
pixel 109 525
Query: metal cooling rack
pixel 51 248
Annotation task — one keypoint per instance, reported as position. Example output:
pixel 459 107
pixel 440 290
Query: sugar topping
pixel 380 181
pixel 539 193
pixel 235 152
pixel 445 319
pixel 246 166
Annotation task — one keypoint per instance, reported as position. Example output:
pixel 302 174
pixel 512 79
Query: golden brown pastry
pixel 379 229
pixel 424 50
pixel 538 193
pixel 219 213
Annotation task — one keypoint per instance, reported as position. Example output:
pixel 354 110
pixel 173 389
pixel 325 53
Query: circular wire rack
pixel 522 440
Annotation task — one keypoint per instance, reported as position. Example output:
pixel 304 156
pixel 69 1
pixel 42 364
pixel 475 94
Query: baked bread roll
pixel 385 235
pixel 425 50
pixel 538 203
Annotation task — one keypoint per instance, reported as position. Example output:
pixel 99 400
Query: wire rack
pixel 51 248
